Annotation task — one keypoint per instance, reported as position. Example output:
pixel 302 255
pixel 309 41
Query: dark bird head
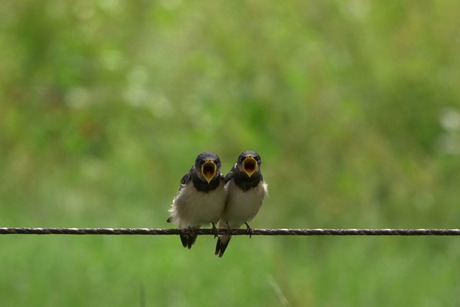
pixel 207 166
pixel 249 163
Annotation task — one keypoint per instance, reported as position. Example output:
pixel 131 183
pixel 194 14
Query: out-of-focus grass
pixel 354 107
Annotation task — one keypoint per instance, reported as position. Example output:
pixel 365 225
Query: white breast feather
pixel 243 206
pixel 194 208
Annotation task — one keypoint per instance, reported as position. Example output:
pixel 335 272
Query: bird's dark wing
pixel 230 174
pixel 186 179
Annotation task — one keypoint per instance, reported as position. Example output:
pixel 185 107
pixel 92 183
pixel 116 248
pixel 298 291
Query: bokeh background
pixel 354 107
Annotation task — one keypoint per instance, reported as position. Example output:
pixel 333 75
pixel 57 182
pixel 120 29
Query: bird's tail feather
pixel 222 243
pixel 188 240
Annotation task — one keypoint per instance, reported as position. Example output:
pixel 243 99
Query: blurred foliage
pixel 353 105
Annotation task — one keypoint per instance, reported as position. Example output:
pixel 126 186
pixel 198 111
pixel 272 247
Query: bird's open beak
pixel 249 166
pixel 208 170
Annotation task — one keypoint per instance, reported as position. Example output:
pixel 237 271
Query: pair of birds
pixel 205 197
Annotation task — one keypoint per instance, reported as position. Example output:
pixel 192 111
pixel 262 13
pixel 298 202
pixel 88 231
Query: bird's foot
pixel 229 230
pixel 249 230
pixel 214 228
pixel 190 231
pixel 188 237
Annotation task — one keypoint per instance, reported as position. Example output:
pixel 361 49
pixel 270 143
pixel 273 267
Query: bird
pixel 246 190
pixel 200 199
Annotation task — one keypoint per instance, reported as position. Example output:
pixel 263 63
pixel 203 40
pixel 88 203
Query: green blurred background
pixel 353 105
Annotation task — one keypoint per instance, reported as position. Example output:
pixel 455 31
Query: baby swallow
pixel 246 191
pixel 201 197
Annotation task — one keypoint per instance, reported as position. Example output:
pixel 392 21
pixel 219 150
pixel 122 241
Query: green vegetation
pixel 354 107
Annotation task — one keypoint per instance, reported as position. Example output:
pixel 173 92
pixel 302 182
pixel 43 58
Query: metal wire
pixel 263 232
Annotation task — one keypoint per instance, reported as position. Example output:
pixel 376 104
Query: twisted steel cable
pixel 255 232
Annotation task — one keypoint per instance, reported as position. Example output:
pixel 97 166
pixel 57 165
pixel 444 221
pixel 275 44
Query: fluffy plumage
pixel 246 190
pixel 201 197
